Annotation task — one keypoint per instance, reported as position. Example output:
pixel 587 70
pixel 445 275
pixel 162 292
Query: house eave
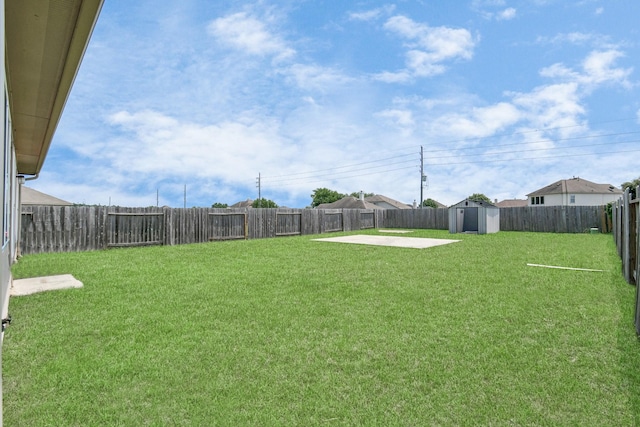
pixel 45 43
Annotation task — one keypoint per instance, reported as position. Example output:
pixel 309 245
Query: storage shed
pixel 474 216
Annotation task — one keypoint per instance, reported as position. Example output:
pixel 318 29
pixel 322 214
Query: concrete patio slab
pixel 401 242
pixel 41 284
pixel 395 231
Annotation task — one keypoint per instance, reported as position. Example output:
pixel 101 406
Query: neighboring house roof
pixel 348 202
pixel 576 186
pixel 29 196
pixel 512 203
pixel 381 200
pixel 439 205
pixel 245 204
pixel 45 42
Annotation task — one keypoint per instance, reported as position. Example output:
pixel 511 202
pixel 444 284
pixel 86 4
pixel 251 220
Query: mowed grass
pixel 295 332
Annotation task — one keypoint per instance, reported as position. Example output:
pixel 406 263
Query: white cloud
pixel 402 120
pixel 399 117
pixel 402 76
pixel 507 14
pixel 373 14
pixel 554 106
pixel 316 78
pixel 478 122
pixel 428 47
pixel 579 39
pixel 477 4
pixel 249 35
pixel 441 43
pixel 487 9
pixel 597 68
pixel 220 151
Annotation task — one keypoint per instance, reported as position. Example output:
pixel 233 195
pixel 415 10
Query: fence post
pixel 637 235
pixel 625 236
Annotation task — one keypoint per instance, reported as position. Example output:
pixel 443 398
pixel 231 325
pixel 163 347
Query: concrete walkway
pixel 41 284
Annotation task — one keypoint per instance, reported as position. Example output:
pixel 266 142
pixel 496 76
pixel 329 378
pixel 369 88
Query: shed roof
pixel 477 203
pixel 29 196
pixel 576 186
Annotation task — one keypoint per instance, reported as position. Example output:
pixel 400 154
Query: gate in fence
pixel 134 229
pixel 228 226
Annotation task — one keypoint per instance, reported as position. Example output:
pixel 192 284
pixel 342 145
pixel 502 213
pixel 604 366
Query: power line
pixel 533 149
pixel 334 174
pixel 340 167
pixel 541 141
pixel 353 170
pixel 534 158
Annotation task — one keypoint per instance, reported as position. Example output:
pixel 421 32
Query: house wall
pixel 580 199
pixel 595 199
pixel 5 271
pixel 9 196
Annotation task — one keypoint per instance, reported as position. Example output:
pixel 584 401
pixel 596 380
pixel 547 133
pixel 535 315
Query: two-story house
pixel 574 192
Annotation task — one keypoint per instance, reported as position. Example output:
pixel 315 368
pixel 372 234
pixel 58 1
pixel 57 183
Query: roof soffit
pixel 45 42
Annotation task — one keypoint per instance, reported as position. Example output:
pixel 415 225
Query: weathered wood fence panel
pixel 137 228
pixel 555 219
pixel 227 225
pixel 82 228
pixel 626 232
pixel 331 220
pixel 62 229
pixel 288 223
pixel 431 218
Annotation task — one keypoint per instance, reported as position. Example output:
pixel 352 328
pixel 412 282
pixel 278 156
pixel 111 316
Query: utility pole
pixel 422 177
pixel 185 196
pixel 258 184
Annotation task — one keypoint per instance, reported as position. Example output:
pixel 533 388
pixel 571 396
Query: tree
pixel 631 185
pixel 263 203
pixel 429 203
pixel 324 195
pixel 480 197
pixel 219 205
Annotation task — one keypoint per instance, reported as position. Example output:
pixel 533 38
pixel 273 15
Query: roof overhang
pixel 45 42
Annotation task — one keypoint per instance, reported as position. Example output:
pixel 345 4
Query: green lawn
pixel 293 332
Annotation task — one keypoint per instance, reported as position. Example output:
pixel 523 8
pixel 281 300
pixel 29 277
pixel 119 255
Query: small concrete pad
pixel 41 284
pixel 402 242
pixel 396 231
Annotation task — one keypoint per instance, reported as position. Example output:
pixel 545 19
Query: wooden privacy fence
pixel 549 219
pixel 83 228
pixel 555 219
pixel 626 225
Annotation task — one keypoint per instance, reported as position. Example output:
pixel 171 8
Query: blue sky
pixel 503 96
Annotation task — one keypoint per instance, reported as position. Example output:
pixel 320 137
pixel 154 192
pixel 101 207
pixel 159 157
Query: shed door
pixel 459 220
pixel 470 220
